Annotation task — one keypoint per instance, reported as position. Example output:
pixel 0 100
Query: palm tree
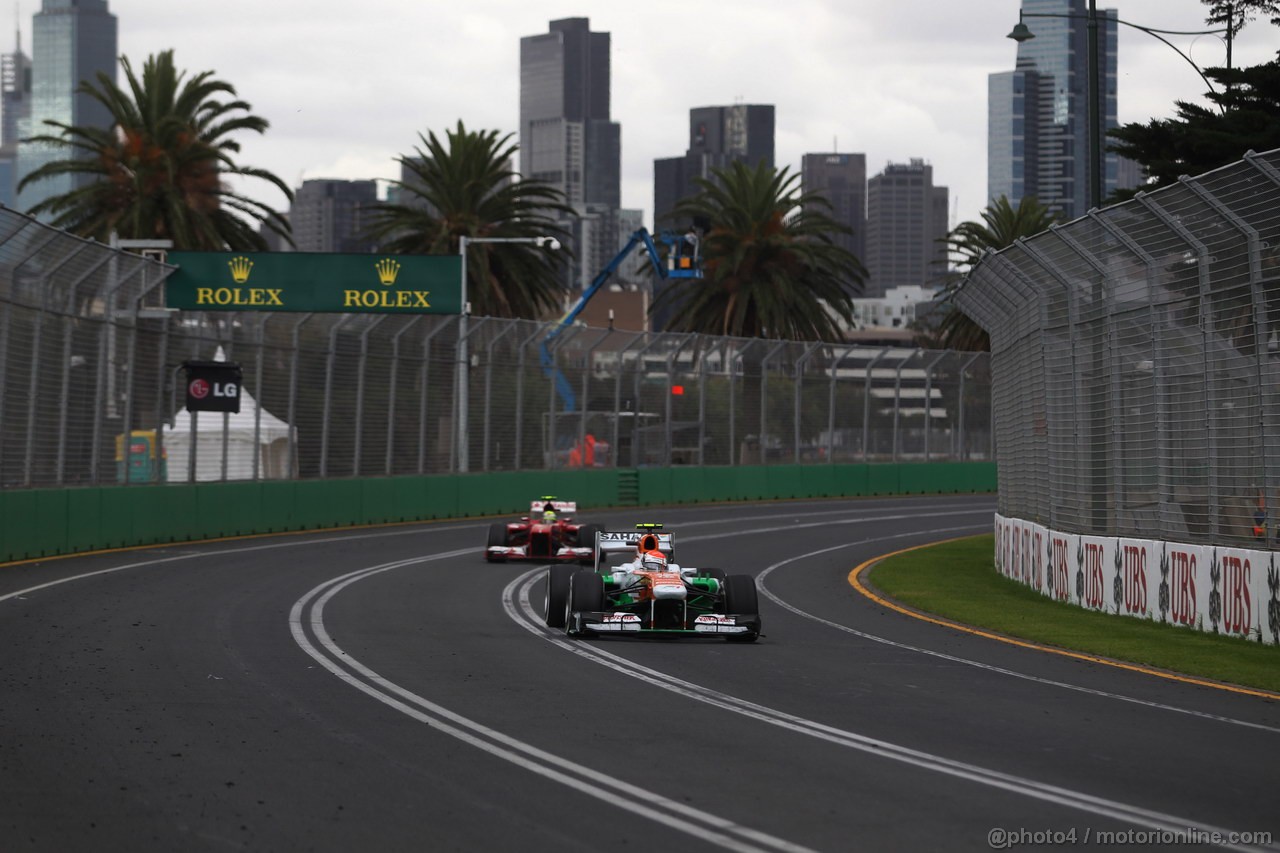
pixel 1002 225
pixel 770 267
pixel 464 186
pixel 159 171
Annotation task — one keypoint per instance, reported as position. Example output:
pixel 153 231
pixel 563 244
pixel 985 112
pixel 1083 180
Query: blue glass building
pixel 1038 114
pixel 72 40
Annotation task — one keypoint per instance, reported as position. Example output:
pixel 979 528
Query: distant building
pixel 906 228
pixel 72 41
pixel 15 105
pixel 332 215
pixel 898 308
pixel 718 136
pixel 1038 114
pixel 842 180
pixel 567 138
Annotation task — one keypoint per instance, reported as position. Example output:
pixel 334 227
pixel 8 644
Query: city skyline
pixel 894 83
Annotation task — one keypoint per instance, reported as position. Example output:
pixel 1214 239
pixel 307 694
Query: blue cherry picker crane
pixel 681 261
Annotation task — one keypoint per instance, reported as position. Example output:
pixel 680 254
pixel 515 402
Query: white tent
pixel 251 432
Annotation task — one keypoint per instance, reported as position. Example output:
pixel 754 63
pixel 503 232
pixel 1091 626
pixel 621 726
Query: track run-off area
pixel 388 689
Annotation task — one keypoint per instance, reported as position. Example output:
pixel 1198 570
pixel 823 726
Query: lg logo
pixel 201 389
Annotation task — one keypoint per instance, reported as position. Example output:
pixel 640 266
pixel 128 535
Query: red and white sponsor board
pixel 1232 591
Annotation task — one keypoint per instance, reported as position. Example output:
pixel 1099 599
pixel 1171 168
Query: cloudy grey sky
pixel 349 84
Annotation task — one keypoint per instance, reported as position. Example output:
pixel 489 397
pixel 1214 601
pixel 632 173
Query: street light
pixel 463 396
pixel 1021 33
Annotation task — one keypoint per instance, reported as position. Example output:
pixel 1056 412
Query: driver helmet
pixel 653 561
pixel 549 515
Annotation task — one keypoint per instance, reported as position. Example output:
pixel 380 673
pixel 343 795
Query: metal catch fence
pixel 1135 363
pixel 90 388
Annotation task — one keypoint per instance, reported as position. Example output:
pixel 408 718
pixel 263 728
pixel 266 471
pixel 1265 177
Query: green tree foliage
pixel 771 269
pixel 159 171
pixel 1234 14
pixel 1200 139
pixel 464 186
pixel 1001 226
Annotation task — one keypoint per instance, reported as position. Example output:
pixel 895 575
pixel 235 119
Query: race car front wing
pixel 586 622
pixel 521 552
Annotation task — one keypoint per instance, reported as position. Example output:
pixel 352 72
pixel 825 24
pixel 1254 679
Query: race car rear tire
pixel 587 539
pixel 497 537
pixel 586 592
pixel 740 599
pixel 557 600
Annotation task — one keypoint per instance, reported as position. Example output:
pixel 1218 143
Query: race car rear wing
pixel 568 507
pixel 613 541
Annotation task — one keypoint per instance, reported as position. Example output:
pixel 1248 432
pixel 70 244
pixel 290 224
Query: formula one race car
pixel 636 588
pixel 548 533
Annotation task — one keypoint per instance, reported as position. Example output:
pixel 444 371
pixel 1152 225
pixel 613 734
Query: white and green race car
pixel 637 588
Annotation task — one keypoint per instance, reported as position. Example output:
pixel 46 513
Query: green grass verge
pixel 957 580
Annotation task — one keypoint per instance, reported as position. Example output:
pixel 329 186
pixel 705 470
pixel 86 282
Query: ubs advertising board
pixel 315 281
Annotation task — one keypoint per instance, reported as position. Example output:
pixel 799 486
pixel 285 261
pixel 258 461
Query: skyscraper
pixel 717 137
pixel 331 216
pixel 842 180
pixel 1038 114
pixel 567 138
pixel 906 227
pixel 15 105
pixel 72 40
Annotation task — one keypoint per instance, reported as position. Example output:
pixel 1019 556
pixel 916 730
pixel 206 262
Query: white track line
pixel 979 664
pixel 308 612
pixel 519 608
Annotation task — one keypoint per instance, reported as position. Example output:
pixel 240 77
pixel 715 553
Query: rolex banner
pixel 315 281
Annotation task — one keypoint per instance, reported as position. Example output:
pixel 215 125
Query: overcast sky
pixel 348 85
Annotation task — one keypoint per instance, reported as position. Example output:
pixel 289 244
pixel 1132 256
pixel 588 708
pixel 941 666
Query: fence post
pixel 426 390
pixel 928 400
pixel 1258 302
pixel 764 396
pixel 393 383
pixel 326 413
pixel 488 388
pixel 800 362
pixel 617 405
pixel 586 390
pixel 1203 259
pixel 538 332
pixel 831 404
pixel 362 364
pixel 866 404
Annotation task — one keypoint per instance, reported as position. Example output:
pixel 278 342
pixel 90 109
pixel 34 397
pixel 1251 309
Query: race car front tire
pixel 498 538
pixel 740 599
pixel 586 592
pixel 587 539
pixel 557 601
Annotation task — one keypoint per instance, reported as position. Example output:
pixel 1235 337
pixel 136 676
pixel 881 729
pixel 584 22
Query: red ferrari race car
pixel 547 534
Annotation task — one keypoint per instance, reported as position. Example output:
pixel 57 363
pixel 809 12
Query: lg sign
pixel 212 386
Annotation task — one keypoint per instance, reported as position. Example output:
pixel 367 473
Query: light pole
pixel 1096 132
pixel 463 396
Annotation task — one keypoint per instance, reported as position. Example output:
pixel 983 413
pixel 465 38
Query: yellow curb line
pixel 855 581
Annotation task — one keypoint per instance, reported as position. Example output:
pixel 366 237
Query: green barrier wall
pixel 47 522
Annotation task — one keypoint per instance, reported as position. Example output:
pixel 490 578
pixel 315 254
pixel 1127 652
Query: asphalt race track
pixel 387 690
